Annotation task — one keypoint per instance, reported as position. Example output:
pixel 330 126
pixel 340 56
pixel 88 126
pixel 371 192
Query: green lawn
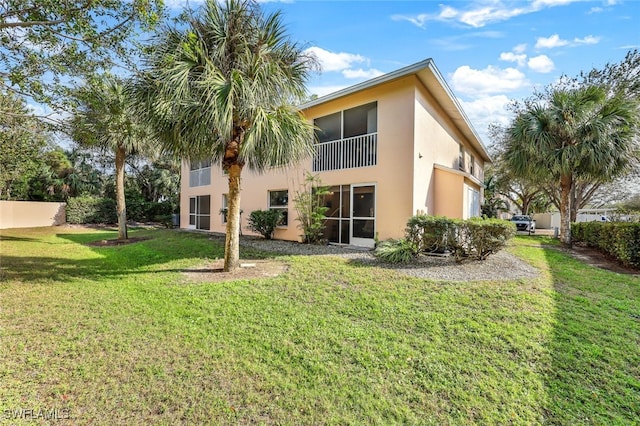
pixel 118 335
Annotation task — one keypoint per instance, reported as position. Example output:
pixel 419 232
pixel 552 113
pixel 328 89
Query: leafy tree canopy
pixel 45 45
pixel 23 140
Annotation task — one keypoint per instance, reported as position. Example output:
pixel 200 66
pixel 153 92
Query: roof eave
pixel 446 97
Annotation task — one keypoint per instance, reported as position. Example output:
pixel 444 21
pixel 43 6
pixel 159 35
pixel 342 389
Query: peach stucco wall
pixel 392 175
pixel 31 214
pixel 438 142
pixel 448 187
pixel 414 135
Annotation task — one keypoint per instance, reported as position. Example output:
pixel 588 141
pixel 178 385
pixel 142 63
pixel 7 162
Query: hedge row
pixel 103 210
pixel 91 210
pixel 474 238
pixel 618 239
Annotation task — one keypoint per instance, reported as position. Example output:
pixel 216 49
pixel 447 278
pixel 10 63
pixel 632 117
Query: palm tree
pixel 580 133
pixel 222 87
pixel 106 120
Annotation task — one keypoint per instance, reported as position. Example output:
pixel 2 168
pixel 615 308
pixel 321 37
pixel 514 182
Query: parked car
pixel 524 223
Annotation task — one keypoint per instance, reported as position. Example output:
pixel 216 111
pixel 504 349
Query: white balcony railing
pixel 349 153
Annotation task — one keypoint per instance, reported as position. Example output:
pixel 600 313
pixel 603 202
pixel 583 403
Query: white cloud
pixel 330 61
pixel 520 48
pixel 480 17
pixel 550 42
pixel 485 111
pixel 513 57
pixel 542 64
pixel 417 20
pixel 489 80
pixel 587 40
pixel 361 73
pixel 480 13
pixel 556 41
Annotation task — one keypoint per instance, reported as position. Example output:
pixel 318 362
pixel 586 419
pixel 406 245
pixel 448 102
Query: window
pixel 472 165
pixel 225 207
pixel 200 212
pixel 461 159
pixel 279 200
pixel 347 139
pixel 200 173
pixel 474 203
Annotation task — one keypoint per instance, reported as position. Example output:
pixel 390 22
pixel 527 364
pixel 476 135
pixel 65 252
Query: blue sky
pixel 489 51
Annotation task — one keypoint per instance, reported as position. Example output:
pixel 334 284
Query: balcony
pixel 348 153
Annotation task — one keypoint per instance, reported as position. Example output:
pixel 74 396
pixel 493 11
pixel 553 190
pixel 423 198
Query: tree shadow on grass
pixel 10 238
pixel 594 374
pixel 151 254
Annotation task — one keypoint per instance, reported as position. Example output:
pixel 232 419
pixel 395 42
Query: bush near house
pixel 474 238
pixel 264 222
pixel 431 234
pixel 478 238
pixel 618 239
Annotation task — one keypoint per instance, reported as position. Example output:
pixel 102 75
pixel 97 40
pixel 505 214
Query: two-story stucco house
pixel 388 148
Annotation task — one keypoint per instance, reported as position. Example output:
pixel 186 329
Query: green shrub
pixel 478 238
pixel 308 203
pixel 474 238
pixel 432 234
pixel 264 222
pixel 91 210
pixel 618 239
pixel 396 251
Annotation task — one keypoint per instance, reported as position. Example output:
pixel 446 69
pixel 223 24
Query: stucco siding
pixel 419 128
pixel 436 142
pixel 449 196
pixel 392 175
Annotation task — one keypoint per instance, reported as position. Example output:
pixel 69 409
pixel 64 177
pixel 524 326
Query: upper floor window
pixel 461 159
pixel 472 165
pixel 347 139
pixel 200 173
pixel 349 123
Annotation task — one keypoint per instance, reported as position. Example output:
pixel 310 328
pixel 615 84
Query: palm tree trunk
pixel 566 183
pixel 121 207
pixel 574 203
pixel 232 240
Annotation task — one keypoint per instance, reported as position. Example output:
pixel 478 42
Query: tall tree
pixel 106 119
pixel 526 193
pixel 23 139
pixel 578 133
pixel 43 43
pixel 222 87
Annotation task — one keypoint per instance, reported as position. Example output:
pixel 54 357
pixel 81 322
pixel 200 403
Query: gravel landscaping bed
pixel 500 266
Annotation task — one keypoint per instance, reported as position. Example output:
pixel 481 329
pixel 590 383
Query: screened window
pixel 279 200
pixel 200 173
pixel 347 139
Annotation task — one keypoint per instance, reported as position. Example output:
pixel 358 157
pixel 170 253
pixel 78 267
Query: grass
pixel 118 335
